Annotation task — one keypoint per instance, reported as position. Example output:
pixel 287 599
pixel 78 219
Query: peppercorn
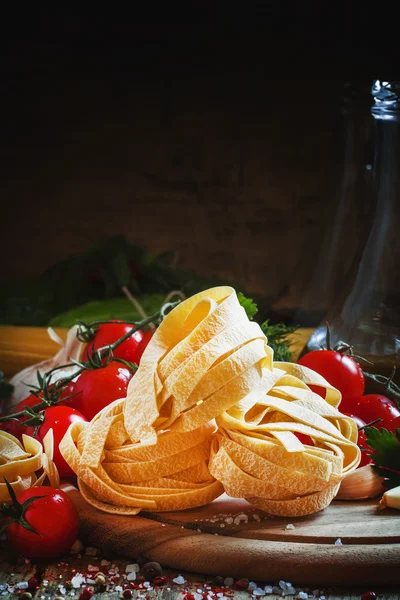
pixel 68 585
pixel 151 570
pixel 140 578
pixel 242 584
pixel 160 580
pixel 33 582
pixel 86 594
pixel 127 594
pixel 218 581
pixel 368 596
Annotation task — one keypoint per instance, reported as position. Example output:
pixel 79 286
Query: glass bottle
pixel 369 318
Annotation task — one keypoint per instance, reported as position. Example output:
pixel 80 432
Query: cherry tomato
pixel 16 428
pixel 375 406
pixel 53 515
pixel 59 419
pixel 96 388
pixel 340 370
pixel 361 441
pixel 131 350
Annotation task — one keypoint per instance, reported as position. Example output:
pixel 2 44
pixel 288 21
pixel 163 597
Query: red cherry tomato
pixel 131 350
pixel 16 428
pixel 59 419
pixel 361 441
pixel 375 406
pixel 53 515
pixel 340 370
pixel 97 388
pixel 304 439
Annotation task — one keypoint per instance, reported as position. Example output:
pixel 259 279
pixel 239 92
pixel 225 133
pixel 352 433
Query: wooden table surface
pixel 22 346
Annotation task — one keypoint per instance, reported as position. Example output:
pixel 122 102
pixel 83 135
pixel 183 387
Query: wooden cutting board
pixel 229 537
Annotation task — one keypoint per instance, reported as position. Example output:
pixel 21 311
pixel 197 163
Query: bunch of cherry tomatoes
pixel 90 392
pixel 346 375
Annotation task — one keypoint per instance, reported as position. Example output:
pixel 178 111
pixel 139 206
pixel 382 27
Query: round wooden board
pixel 255 546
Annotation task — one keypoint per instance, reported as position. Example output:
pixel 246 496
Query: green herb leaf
pixel 385 453
pixel 277 335
pixel 249 306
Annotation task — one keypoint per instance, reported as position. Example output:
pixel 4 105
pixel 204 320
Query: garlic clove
pixel 71 349
pixel 361 484
pixel 391 498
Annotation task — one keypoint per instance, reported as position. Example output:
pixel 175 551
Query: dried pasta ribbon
pixel 158 449
pixel 257 455
pixel 20 463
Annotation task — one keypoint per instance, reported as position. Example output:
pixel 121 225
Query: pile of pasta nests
pixel 209 411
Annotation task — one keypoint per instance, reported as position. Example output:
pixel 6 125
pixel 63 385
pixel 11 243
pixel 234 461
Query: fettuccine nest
pixel 208 410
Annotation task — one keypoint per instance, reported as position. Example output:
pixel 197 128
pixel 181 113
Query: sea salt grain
pixel 240 518
pixel 179 580
pixel 252 586
pixel 131 576
pixel 22 585
pixel 118 588
pixel 77 580
pixel 290 526
pixel 198 596
pixel 286 587
pixel 258 592
pixel 303 595
pixel 268 589
pixel 338 542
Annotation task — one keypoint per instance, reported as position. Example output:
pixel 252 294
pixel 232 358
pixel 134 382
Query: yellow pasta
pixel 208 410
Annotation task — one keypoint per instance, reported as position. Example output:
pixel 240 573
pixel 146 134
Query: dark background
pixel 222 137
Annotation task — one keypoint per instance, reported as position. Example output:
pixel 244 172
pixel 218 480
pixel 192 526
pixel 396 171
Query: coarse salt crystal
pixel 322 597
pixel 240 518
pixel 229 520
pixel 338 542
pixel 268 589
pixel 62 589
pixel 179 580
pixel 220 595
pixel 222 525
pixel 90 581
pixel 77 580
pixel 198 596
pixel 290 526
pixel 303 595
pixel 22 585
pixel 257 517
pixel 131 576
pixel 118 588
pixel 258 592
pixel 133 568
pixel 252 586
pixel 92 568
